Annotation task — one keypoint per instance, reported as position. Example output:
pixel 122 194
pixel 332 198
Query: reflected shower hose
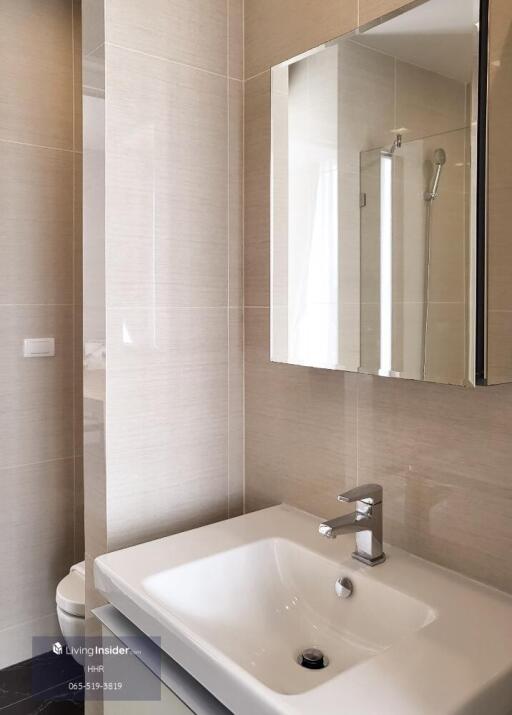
pixel 430 197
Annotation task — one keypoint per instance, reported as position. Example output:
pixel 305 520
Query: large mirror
pixel 375 201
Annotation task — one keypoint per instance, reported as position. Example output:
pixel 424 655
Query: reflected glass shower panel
pixel 414 260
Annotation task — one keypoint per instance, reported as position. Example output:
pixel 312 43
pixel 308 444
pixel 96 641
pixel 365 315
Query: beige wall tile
pixel 236 39
pixel 36 394
pixel 167 400
pixel 426 445
pixel 370 337
pixel 36 225
pixel 236 412
pixel 499 249
pixel 372 9
pixel 37 68
pixel 194 33
pixel 77 75
pixel 407 339
pixel 93 25
pixel 236 198
pixel 41 508
pixel 78 380
pixel 95 505
pixel 500 29
pixel 36 537
pixel 168 508
pixel 300 428
pixel 77 229
pixel 93 312
pixel 499 346
pixel 78 356
pixel 366 101
pixel 500 109
pixel 369 226
pixel 145 339
pixel 17 642
pixel 167 197
pixel 500 186
pixel 93 71
pixel 446 343
pixel 95 508
pixel 449 230
pixel 257 191
pixel 427 103
pixel 174 259
pixel 79 533
pixel 276 30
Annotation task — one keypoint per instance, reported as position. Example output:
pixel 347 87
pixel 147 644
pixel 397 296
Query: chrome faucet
pixel 365 522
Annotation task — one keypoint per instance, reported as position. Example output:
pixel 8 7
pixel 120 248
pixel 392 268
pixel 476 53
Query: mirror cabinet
pixel 380 187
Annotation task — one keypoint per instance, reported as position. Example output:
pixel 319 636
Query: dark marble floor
pixel 42 685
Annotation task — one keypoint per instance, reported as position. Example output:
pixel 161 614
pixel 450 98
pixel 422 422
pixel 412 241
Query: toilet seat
pixel 70 594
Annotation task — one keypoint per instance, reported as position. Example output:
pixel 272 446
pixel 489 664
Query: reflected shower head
pixel 439 162
pixel 439 157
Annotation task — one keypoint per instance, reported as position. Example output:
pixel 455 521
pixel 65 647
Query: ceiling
pixel 438 35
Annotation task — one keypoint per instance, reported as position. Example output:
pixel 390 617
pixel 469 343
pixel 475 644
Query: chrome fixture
pixel 344 587
pixel 430 196
pixel 365 522
pixel 313 659
pixel 397 144
pixel 439 162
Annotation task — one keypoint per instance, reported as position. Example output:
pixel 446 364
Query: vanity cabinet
pixel 168 704
pixel 155 683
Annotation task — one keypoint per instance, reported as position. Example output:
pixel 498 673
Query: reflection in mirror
pixel 373 188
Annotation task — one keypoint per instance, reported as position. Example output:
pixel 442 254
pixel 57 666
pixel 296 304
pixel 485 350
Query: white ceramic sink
pixel 263 603
pixel 235 603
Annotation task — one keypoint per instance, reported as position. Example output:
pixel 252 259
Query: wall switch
pixel 39 347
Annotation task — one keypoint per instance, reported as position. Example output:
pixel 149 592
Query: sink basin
pixel 289 604
pixel 236 603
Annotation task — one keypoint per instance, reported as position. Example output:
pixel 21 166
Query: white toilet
pixel 70 598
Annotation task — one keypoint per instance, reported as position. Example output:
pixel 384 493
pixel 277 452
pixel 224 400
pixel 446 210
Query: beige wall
pixel 443 454
pixel 169 455
pixel 41 522
pixel 94 331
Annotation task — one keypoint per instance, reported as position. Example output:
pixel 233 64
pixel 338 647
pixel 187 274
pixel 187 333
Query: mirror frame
pixel 481 199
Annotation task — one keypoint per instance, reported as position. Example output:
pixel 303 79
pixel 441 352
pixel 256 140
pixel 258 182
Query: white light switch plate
pixel 39 347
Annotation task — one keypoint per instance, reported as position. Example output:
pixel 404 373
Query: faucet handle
pixel 368 493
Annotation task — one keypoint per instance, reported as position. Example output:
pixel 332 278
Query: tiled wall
pixel 94 335
pixel 172 395
pixel 41 512
pixel 443 454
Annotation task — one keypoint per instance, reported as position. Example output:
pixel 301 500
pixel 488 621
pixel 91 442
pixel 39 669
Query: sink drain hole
pixel 312 659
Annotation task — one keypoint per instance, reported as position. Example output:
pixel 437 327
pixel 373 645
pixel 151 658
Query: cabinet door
pixel 147 682
pixel 168 705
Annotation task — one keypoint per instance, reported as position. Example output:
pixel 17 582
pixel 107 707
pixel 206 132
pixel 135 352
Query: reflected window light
pixel 386 265
pixel 127 338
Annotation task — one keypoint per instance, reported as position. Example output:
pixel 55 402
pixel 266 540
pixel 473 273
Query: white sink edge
pixel 183 634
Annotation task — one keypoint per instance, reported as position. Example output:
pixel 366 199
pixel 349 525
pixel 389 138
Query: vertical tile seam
pixel 104 482
pixel 73 278
pixel 228 182
pixel 242 297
